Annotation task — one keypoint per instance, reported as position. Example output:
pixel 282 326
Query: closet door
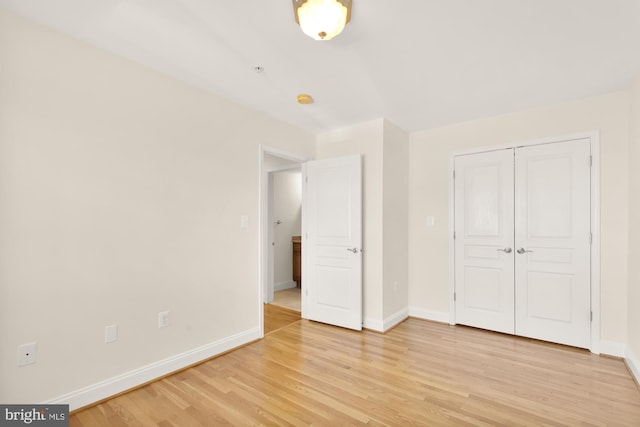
pixel 552 242
pixel 484 254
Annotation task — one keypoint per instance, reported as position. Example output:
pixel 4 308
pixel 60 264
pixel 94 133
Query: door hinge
pixel 590 238
pixel 454 235
pixel 454 296
pixel 454 174
pixel 590 160
pixel 591 316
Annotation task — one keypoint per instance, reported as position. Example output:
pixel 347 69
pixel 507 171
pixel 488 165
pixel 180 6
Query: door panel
pixel 553 205
pixel 484 240
pixel 332 241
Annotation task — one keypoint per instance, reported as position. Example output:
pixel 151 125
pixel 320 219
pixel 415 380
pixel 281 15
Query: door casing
pixel 594 139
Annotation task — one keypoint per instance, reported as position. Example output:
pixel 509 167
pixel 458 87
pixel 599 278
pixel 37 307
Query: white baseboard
pixel 611 348
pixel 284 285
pixel 385 324
pixel 128 380
pixel 633 363
pixel 395 319
pixel 436 316
pixel 374 325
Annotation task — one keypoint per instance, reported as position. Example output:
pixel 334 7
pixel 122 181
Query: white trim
pixel 289 284
pixel 395 319
pixel 611 348
pixel 451 318
pixel 595 243
pixel 374 325
pixel 123 382
pixel 633 363
pixel 269 288
pixel 594 138
pixel 387 323
pixel 537 141
pixel 434 316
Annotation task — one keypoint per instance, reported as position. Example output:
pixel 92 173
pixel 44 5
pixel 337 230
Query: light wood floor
pixel 276 317
pixel 289 298
pixel 419 373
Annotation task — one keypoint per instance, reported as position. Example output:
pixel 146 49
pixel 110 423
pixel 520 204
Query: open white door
pixel 332 241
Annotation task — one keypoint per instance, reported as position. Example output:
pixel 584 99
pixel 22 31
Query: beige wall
pixel 634 227
pixel 364 139
pixel 430 152
pixel 121 194
pixel 395 234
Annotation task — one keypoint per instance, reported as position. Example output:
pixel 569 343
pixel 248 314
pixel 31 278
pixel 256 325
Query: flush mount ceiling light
pixel 305 99
pixel 322 19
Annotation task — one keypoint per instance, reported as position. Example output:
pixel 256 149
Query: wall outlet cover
pixel 27 353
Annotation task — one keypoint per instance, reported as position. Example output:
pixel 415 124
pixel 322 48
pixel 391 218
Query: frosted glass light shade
pixel 322 19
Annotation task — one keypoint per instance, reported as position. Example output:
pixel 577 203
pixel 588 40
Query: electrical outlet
pixel 164 319
pixel 431 221
pixel 27 354
pixel 110 333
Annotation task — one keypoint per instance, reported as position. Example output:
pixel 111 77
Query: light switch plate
pixel 164 319
pixel 110 333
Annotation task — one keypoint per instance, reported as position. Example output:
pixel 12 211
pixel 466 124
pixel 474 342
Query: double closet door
pixel 522 241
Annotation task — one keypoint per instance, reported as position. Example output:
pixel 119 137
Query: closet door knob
pixel 505 250
pixel 523 250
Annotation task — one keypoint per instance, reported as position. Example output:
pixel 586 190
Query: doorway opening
pixel 285 229
pixel 281 223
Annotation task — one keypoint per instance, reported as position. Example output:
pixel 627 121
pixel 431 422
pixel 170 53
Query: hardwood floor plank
pixel 419 373
pixel 289 298
pixel 276 317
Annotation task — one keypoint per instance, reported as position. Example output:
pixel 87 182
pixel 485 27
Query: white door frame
pixel 264 269
pixel 594 138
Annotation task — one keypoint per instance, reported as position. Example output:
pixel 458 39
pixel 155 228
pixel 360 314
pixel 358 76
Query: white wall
pixel 428 194
pixel 287 208
pixel 121 194
pixel 634 231
pixel 364 139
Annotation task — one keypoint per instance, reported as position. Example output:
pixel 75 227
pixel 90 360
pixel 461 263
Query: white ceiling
pixel 418 63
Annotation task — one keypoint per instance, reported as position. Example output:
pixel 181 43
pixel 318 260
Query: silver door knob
pixel 505 250
pixel 523 250
pixel 354 250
